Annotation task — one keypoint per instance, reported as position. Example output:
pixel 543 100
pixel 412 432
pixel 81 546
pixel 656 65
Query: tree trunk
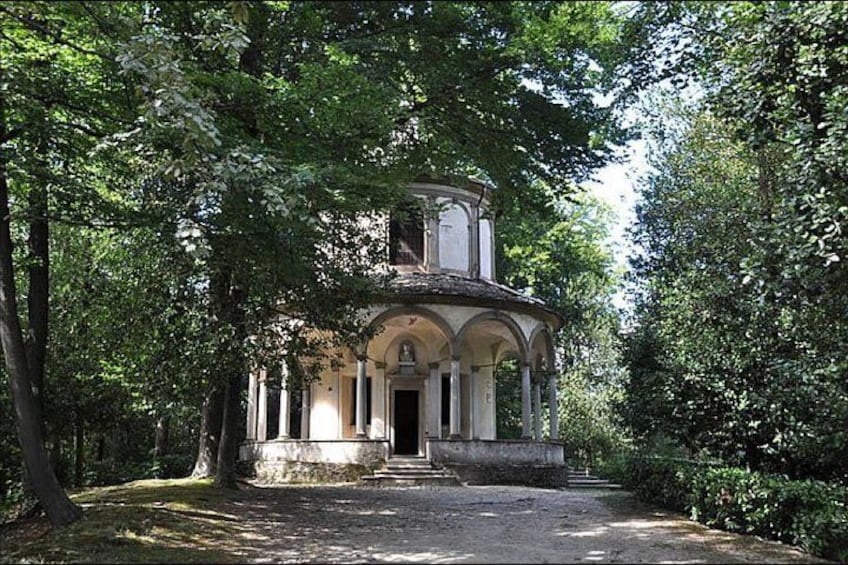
pixel 28 420
pixel 225 475
pixel 79 452
pixel 210 429
pixel 227 301
pixel 160 448
pixel 38 293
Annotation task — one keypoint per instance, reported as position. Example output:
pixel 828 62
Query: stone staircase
pixel 580 477
pixel 410 471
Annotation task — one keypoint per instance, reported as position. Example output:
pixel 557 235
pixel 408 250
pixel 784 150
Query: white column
pixel 432 237
pixel 251 406
pixel 474 240
pixel 455 414
pixel 434 401
pixel 262 407
pixel 361 382
pixel 305 405
pixel 378 404
pixel 284 403
pixel 537 410
pixel 525 401
pixel 553 405
pixel 472 402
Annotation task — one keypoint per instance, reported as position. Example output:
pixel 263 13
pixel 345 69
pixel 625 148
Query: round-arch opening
pixel 495 341
pixel 409 337
pixel 507 373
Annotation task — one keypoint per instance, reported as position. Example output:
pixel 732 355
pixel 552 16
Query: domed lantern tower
pixel 424 385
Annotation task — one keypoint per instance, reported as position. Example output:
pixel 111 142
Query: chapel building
pixel 421 393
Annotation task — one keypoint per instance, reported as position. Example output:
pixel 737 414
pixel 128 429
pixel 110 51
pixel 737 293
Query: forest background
pixel 171 171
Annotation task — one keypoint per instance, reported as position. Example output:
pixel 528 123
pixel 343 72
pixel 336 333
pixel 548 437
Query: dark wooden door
pixel 406 422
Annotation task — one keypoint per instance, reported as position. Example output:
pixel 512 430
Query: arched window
pixel 406 235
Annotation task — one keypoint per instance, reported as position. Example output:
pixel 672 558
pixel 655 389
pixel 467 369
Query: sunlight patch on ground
pixel 422 557
pixel 644 524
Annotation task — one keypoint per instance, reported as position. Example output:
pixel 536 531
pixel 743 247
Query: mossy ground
pixel 152 521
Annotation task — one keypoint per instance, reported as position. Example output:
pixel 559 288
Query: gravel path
pixel 493 524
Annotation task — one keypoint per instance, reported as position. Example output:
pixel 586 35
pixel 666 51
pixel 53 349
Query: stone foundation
pixel 502 462
pixel 278 471
pixel 311 461
pixel 542 476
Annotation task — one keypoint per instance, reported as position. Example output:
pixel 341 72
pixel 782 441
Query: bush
pixel 111 472
pixel 809 514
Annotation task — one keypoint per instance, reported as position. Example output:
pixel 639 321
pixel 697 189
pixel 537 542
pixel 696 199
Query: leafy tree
pixel 555 249
pixel 720 362
pixel 283 120
pixel 50 115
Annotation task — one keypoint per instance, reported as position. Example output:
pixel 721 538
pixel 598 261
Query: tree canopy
pixel 179 170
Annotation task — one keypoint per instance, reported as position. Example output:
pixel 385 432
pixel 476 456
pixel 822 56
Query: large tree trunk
pixel 38 294
pixel 210 429
pixel 225 474
pixel 228 298
pixel 59 508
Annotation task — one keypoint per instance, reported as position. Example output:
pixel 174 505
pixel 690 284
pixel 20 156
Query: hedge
pixel 810 514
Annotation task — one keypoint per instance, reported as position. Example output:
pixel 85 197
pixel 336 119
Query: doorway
pixel 406 422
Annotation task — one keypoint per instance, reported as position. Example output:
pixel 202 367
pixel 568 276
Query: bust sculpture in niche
pixel 406 358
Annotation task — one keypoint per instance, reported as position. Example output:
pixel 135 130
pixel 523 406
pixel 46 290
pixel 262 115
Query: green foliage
pixel 205 162
pixel 806 513
pixel 508 395
pixel 555 249
pixel 718 361
pixel 112 471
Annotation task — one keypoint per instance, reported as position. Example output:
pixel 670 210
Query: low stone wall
pixel 311 461
pixel 502 462
pixel 496 452
pixel 542 476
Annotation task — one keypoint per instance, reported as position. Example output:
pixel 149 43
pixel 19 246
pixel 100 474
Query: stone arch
pixel 438 321
pixel 550 353
pixel 506 320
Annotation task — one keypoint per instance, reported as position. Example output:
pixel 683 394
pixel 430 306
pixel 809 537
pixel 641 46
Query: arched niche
pixel 454 245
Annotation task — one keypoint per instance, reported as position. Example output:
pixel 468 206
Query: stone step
pixel 416 476
pixel 422 471
pixel 410 471
pixel 408 463
pixel 374 480
pixel 592 483
pixel 579 477
pixel 407 468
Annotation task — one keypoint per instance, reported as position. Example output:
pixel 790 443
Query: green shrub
pixel 809 514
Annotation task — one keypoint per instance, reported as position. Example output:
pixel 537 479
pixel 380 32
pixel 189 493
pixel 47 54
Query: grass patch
pixel 150 521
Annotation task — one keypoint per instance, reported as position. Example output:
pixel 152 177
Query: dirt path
pixel 334 524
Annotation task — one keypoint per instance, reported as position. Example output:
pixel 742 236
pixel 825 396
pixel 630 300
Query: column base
pixel 361 436
pixel 284 437
pixel 454 436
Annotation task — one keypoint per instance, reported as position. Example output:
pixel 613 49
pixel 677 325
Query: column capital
pixel 362 357
pixel 380 364
pixel 434 365
pixel 455 358
pixel 475 368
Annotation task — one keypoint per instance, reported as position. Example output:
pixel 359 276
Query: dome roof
pixel 450 288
